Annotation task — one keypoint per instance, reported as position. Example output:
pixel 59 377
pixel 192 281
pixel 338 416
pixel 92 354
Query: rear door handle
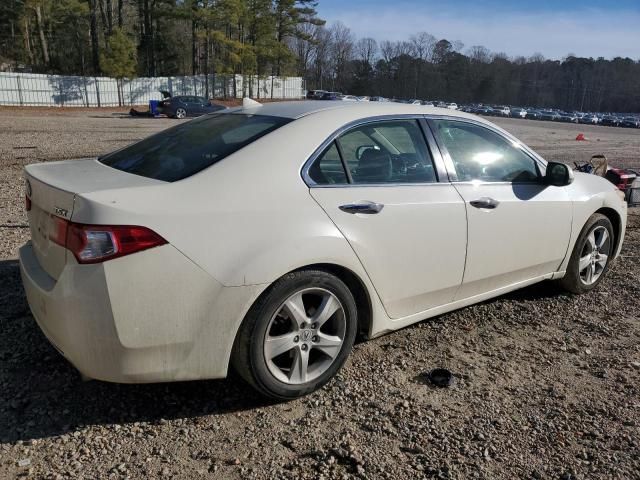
pixel 367 207
pixel 485 202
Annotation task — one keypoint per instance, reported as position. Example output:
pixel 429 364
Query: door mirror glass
pixel 558 174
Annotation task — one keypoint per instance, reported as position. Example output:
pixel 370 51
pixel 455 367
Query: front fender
pixel 590 194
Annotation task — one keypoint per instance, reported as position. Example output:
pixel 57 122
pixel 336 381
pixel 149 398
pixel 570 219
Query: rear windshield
pixel 186 149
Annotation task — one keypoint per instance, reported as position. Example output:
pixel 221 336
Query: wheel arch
pixel 616 221
pixel 357 288
pixel 353 282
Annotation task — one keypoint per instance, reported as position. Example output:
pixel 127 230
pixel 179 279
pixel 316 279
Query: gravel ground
pixel 547 384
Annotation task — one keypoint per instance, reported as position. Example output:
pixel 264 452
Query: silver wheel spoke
pixel 295 308
pixel 275 346
pixel 298 373
pixel 327 308
pixel 590 272
pixel 328 344
pixel 602 260
pixel 603 238
pixel 584 263
pixel 591 240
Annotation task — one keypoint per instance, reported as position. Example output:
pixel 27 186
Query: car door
pixel 194 106
pixel 518 227
pixel 378 182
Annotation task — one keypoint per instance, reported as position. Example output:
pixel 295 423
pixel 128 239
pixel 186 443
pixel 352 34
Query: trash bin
pixel 153 107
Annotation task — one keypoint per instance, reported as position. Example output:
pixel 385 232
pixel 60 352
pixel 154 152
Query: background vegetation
pixel 124 38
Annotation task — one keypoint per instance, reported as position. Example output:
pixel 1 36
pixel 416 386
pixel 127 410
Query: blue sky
pixel 551 27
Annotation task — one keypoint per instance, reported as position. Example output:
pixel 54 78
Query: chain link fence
pixel 27 89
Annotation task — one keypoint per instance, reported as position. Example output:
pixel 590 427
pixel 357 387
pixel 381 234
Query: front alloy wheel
pixel 297 335
pixel 591 255
pixel 181 113
pixel 595 255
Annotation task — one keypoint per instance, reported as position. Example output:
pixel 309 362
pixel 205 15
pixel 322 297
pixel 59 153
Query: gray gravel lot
pixel 547 384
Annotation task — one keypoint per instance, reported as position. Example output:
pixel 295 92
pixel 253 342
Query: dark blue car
pixel 183 106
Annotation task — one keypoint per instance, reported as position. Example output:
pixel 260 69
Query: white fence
pixel 27 89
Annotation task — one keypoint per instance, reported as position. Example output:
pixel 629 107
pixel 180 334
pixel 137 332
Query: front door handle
pixel 362 207
pixel 485 202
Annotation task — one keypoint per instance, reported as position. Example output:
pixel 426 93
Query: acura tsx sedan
pixel 265 238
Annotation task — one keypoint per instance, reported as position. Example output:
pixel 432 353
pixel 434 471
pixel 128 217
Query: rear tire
pixel 591 256
pixel 297 335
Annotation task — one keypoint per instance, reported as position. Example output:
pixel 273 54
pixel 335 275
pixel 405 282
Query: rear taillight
pixel 27 203
pixel 98 243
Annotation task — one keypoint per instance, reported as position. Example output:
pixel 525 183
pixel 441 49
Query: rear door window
pixel 387 152
pixel 328 168
pixel 188 148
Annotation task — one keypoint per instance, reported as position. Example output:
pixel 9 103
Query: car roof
pixel 298 109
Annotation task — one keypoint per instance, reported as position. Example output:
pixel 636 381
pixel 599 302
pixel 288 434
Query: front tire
pixel 297 335
pixel 181 113
pixel 591 256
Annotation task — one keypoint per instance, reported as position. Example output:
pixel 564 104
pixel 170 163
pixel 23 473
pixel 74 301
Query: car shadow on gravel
pixel 42 395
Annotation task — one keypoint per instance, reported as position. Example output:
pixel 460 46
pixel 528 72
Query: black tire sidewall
pixel 261 317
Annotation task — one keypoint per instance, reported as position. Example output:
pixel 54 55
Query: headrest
pixel 374 166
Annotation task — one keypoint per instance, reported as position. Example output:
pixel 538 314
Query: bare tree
pixel 479 54
pixel 423 44
pixel 388 50
pixel 367 50
pixel 342 46
pixel 457 46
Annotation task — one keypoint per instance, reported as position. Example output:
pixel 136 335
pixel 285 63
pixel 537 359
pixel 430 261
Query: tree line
pixel 127 38
pixel 424 67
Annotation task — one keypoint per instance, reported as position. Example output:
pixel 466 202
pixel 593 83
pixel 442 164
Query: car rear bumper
pixel 153 316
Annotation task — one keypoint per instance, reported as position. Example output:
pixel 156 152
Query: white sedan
pixel 267 237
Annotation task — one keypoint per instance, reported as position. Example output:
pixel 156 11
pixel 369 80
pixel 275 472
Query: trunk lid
pixel 52 188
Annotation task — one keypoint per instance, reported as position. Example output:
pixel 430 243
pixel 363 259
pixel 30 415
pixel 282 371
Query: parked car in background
pixel 589 119
pixel 610 121
pixel 378 99
pixel 349 98
pixel 518 112
pixel 549 115
pixel 567 117
pixel 363 98
pixel 503 111
pixel 452 106
pixel 315 94
pixel 330 96
pixel 532 114
pixel 630 122
pixel 173 259
pixel 183 106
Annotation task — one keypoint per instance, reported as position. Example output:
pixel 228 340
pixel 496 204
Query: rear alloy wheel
pixel 298 335
pixel 181 113
pixel 591 255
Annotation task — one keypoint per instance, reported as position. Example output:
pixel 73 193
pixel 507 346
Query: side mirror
pixel 558 174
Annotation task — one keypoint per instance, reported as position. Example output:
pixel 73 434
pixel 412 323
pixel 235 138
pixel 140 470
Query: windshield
pixel 186 149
